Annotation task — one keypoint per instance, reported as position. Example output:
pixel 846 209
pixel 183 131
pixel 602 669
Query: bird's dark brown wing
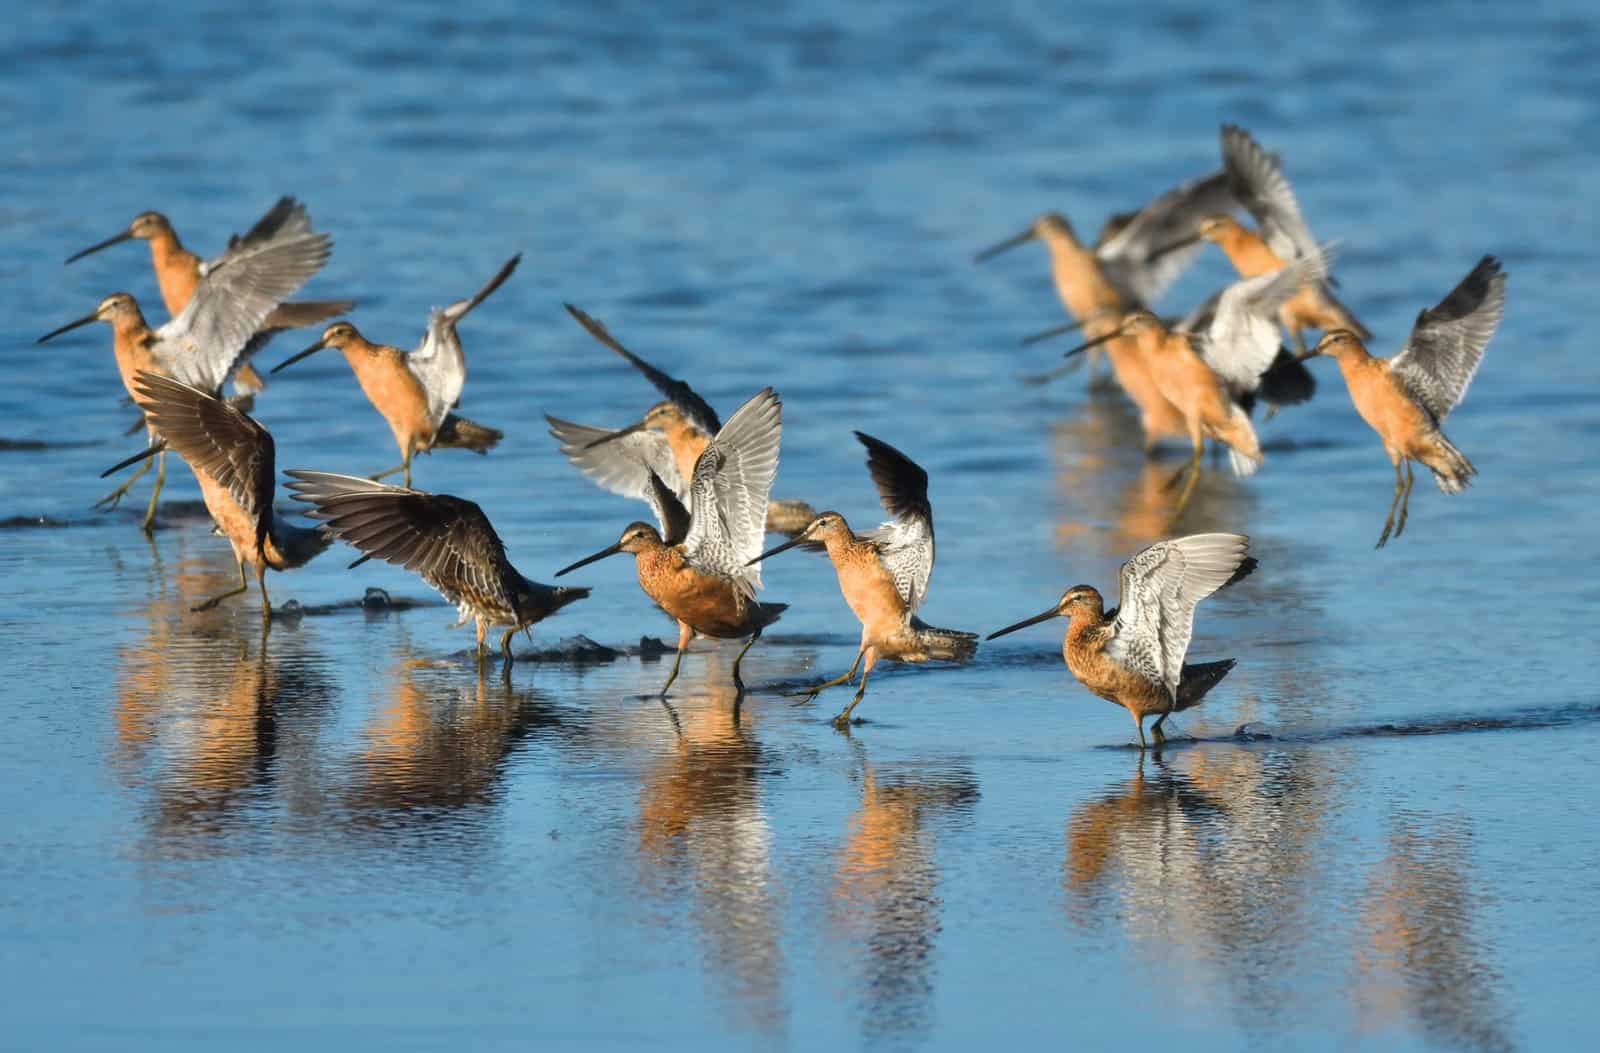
pixel 669 510
pixel 902 484
pixel 214 438
pixel 445 540
pixel 286 216
pixel 680 394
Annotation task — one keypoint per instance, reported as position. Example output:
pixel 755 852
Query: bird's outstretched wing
pixel 1242 340
pixel 205 343
pixel 286 218
pixel 728 495
pixel 1160 587
pixel 1447 342
pixel 214 438
pixel 1256 178
pixel 905 542
pixel 438 361
pixel 677 392
pixel 1133 259
pixel 445 540
pixel 621 462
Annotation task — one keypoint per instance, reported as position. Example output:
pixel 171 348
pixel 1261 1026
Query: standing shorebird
pixel 1405 399
pixel 697 567
pixel 1133 654
pixel 208 340
pixel 232 458
pixel 179 271
pixel 884 574
pixel 667 440
pixel 445 540
pixel 416 391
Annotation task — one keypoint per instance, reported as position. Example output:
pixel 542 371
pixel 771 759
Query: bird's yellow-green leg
pixel 1394 502
pixel 843 719
pixel 737 683
pixel 244 583
pixel 684 633
pixel 110 501
pixel 1405 501
pixel 155 492
pixel 814 690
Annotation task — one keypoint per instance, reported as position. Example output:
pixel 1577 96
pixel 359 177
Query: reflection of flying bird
pixel 1406 398
pixel 179 271
pixel 232 459
pixel 696 567
pixel 415 391
pixel 667 440
pixel 1133 655
pixel 884 574
pixel 447 541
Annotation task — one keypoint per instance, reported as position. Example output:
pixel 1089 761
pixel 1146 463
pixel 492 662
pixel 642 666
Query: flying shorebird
pixel 1133 655
pixel 232 458
pixel 667 440
pixel 208 340
pixel 884 574
pixel 416 391
pixel 445 540
pixel 1405 399
pixel 697 566
pixel 179 271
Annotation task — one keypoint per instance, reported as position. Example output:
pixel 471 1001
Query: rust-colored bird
pixel 1133 655
pixel 697 566
pixel 416 391
pixel 232 458
pixel 207 341
pixel 179 271
pixel 1405 399
pixel 445 540
pixel 884 574
pixel 667 440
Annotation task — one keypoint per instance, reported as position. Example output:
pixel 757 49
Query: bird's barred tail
pixel 566 594
pixel 1198 679
pixel 1450 467
pixel 944 645
pixel 461 433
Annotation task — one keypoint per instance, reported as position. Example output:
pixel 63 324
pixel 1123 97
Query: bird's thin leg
pixel 505 645
pixel 407 482
pixel 843 719
pixel 482 652
pixel 1394 502
pixel 261 583
pixel 244 583
pixel 814 690
pixel 109 501
pixel 1138 722
pixel 406 467
pixel 684 633
pixel 1194 476
pixel 155 491
pixel 1155 730
pixel 1405 501
pixel 737 683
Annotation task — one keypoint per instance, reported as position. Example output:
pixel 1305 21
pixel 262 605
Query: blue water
pixel 340 836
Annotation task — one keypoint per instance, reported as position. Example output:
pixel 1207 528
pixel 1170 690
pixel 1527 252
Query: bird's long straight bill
pixel 292 359
pixel 106 244
pixel 1009 243
pixel 70 326
pixel 786 546
pixel 1104 338
pixel 1174 247
pixel 609 550
pixel 1035 620
pixel 144 454
pixel 1070 327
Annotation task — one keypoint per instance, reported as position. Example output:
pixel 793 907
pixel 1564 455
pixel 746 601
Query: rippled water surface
pixel 340 835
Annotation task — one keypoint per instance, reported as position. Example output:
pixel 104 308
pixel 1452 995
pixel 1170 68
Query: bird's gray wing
pixel 204 344
pixel 905 542
pixel 438 362
pixel 1447 342
pixel 728 495
pixel 1161 585
pixel 620 461
pixel 1242 339
pixel 677 392
pixel 286 218
pixel 447 541
pixel 1256 178
pixel 1132 257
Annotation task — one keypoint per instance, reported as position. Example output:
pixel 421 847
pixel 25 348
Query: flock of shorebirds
pixel 708 481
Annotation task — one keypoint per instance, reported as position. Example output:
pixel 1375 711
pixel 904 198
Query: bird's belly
pixel 709 604
pixel 237 525
pixel 1114 682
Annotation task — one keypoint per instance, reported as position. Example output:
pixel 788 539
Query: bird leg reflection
pixel 812 692
pixel 244 583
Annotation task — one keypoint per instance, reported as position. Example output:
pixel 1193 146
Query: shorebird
pixel 1406 398
pixel 447 541
pixel 416 391
pixel 205 343
pixel 884 574
pixel 232 458
pixel 179 271
pixel 667 440
pixel 697 566
pixel 1133 655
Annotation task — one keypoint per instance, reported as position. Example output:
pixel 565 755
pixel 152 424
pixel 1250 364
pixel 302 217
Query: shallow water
pixel 1377 832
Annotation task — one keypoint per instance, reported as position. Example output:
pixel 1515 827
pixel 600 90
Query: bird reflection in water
pixel 1210 865
pixel 1417 960
pixel 886 905
pixel 704 836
